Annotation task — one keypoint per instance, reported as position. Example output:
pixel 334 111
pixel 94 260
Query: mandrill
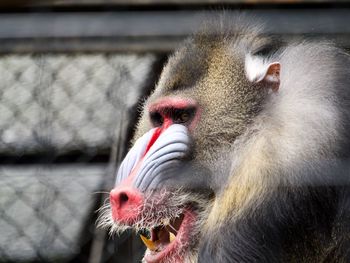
pixel 241 153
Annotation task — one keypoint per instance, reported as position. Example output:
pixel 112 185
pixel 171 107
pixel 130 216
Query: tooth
pixel 171 237
pixel 148 243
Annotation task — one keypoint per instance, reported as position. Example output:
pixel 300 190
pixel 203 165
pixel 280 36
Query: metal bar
pixel 67 3
pixel 151 30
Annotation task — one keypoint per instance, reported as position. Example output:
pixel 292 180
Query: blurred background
pixel 72 74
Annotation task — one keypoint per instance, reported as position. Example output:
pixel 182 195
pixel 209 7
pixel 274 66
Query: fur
pixel 277 177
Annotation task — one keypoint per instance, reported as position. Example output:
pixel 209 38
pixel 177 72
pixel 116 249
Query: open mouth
pixel 169 241
pixel 169 221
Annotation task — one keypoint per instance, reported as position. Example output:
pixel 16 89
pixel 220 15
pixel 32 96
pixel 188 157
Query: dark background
pixel 71 76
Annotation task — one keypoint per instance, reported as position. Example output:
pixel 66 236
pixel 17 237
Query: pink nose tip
pixel 126 204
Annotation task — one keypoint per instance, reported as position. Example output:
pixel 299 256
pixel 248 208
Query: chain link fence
pixel 66 115
pixel 60 118
pixel 66 102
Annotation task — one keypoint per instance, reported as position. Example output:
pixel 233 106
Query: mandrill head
pixel 189 137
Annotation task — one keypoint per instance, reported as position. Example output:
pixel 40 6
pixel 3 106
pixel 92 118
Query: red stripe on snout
pixel 157 133
pixel 153 139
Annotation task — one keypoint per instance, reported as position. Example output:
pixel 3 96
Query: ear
pixel 258 70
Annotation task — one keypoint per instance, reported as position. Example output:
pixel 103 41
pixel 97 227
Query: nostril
pixel 123 198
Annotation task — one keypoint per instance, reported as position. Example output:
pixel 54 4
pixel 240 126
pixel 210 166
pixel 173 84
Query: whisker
pixel 157 207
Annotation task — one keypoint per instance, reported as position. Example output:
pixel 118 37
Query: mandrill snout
pixel 154 158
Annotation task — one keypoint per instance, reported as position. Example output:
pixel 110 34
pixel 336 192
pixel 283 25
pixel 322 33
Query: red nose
pixel 126 204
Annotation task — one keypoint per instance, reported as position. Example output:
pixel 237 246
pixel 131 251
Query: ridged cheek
pixel 133 157
pixel 160 162
pixel 164 157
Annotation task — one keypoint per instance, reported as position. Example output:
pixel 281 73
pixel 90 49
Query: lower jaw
pixel 175 251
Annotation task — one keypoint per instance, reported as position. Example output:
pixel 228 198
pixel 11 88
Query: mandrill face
pixel 147 198
pixel 154 191
pixel 180 161
pixel 158 189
